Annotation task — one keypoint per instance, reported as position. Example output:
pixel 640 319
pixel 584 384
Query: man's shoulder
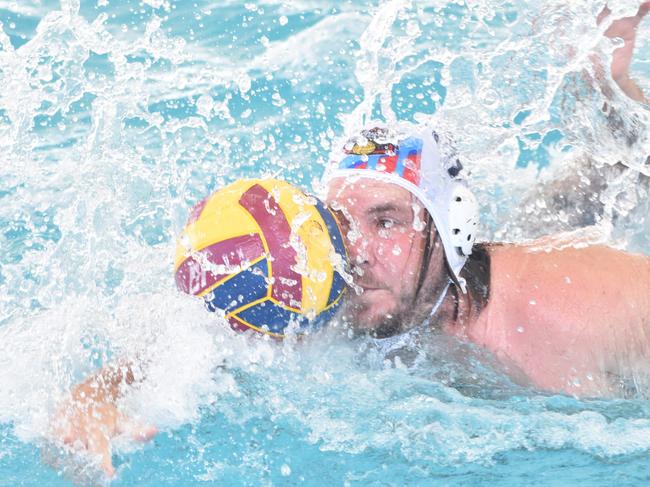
pixel 559 249
pixel 576 245
pixel 559 270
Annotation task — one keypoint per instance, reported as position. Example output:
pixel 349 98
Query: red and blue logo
pixel 403 160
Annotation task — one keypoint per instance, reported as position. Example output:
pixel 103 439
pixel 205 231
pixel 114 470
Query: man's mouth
pixel 365 288
pixel 369 288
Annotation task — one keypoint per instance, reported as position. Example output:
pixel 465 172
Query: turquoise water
pixel 117 116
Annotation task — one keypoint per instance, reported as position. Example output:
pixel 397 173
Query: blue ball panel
pixel 270 315
pixel 338 285
pixel 250 284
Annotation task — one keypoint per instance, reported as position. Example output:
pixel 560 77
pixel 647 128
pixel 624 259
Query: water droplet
pixel 258 145
pixel 567 279
pixel 397 250
pixel 532 302
pixel 520 329
pixel 285 470
pixel 284 20
pixel 204 106
pixel 277 100
pixel 244 84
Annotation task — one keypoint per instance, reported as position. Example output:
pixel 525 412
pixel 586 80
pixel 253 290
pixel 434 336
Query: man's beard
pixel 390 324
pixel 410 310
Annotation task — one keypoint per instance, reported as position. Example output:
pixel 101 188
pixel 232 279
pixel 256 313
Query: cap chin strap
pixel 424 268
pixel 440 299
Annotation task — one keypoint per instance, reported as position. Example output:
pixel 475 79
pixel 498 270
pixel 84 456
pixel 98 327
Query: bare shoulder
pixel 556 253
pixel 561 312
pixel 551 266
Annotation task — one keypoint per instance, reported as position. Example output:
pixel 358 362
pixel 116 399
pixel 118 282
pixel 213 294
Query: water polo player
pixel 570 317
pixel 573 318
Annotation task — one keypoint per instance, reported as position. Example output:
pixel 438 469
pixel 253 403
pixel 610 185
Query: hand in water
pixel 625 29
pixel 90 419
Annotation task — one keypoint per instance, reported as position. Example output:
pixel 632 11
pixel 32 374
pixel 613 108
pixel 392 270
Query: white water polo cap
pixel 418 161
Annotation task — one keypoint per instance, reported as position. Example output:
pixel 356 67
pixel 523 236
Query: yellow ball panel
pixel 318 276
pixel 222 206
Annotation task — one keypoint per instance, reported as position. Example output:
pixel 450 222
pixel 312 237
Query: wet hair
pixel 426 255
pixel 476 271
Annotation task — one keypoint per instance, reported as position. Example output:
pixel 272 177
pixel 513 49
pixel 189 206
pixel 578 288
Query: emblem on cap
pixel 362 150
pixel 373 141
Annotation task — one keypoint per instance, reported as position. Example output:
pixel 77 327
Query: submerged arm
pixel 90 418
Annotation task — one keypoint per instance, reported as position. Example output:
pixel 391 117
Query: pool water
pixel 117 116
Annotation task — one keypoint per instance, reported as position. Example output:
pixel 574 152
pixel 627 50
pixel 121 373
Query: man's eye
pixel 385 223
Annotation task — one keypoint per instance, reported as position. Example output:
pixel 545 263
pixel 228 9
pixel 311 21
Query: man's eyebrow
pixel 385 208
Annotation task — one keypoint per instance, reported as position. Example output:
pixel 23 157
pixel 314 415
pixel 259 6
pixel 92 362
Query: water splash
pixel 115 119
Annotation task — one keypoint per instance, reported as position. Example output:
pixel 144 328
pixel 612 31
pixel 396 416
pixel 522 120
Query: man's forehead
pixel 363 188
pixel 367 192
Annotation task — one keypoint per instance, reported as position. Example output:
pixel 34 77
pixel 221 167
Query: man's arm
pixel 625 29
pixel 90 418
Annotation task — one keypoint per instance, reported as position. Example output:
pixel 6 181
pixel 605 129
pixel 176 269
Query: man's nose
pixel 359 250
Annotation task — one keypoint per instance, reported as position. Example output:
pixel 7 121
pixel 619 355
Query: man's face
pixel 384 231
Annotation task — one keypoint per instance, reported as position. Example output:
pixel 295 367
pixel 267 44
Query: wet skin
pixel 573 318
pixel 383 226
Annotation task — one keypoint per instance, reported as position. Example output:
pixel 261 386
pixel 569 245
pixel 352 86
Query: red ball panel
pixel 287 285
pixel 193 279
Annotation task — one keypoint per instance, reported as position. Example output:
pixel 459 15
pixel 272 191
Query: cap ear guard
pixel 463 219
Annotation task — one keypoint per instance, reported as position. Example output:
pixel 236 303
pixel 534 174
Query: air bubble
pixel 277 100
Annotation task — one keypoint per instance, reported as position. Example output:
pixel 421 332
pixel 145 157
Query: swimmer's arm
pixel 631 89
pixel 90 418
pixel 625 29
pixel 106 385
